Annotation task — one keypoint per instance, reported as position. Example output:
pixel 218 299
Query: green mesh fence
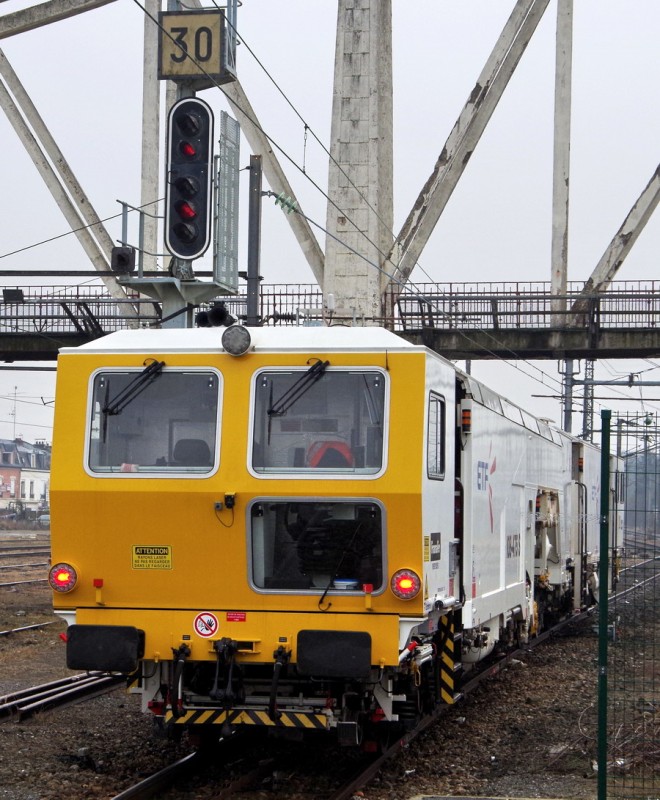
pixel 630 735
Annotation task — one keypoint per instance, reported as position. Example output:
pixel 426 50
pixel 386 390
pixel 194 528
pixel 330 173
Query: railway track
pixel 359 776
pixel 163 779
pixel 196 763
pixel 23 628
pixel 22 564
pixel 367 770
pixel 64 692
pixel 635 575
pixel 9 584
pixel 27 552
pixel 33 565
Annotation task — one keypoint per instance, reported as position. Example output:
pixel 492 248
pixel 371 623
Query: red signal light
pixel 187 149
pixel 62 577
pixel 186 210
pixel 405 584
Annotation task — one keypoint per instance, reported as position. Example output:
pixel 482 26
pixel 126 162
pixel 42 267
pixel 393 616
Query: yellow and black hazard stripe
pixel 449 659
pixel 285 719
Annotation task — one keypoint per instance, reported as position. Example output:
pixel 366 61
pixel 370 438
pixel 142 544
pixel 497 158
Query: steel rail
pixel 161 780
pixel 24 553
pixel 639 585
pixel 20 583
pixel 153 785
pixel 27 628
pixel 66 691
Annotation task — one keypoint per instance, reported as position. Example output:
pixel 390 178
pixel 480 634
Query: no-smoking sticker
pixel 206 624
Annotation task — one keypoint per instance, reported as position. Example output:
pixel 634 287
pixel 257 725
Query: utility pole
pixel 254 241
pixel 560 186
pixel 568 382
pixel 588 402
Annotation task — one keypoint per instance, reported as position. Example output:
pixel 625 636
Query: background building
pixel 24 477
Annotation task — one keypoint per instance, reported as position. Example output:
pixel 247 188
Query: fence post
pixel 603 603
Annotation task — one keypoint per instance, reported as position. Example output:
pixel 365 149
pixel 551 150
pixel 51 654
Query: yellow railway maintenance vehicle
pixel 304 528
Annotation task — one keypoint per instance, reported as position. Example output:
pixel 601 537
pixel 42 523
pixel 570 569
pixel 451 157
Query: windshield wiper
pixel 133 389
pixel 298 389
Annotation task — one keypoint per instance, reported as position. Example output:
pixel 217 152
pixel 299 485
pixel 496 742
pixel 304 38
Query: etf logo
pixel 484 471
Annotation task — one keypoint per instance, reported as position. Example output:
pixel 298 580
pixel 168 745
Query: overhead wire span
pixel 405 287
pixel 55 238
pixel 433 305
pixel 275 144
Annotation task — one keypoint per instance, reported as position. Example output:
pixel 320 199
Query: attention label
pixel 152 556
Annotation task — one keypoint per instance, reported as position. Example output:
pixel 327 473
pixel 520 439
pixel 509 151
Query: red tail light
pixel 62 577
pixel 405 584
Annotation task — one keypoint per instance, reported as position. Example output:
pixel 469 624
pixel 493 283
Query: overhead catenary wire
pixel 13 399
pixel 405 287
pixel 432 304
pixel 277 146
pixel 410 287
pixel 74 230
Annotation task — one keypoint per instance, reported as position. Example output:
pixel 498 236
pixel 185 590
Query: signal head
pixel 189 178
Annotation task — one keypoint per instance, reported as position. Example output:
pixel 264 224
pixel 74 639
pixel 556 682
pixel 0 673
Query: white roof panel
pixel 306 339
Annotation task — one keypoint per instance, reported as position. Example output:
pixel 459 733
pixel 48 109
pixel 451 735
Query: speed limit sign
pixel 192 45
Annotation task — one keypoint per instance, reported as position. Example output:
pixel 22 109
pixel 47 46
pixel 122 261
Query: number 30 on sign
pixel 191 46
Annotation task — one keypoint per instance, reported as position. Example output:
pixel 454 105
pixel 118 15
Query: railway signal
pixel 188 180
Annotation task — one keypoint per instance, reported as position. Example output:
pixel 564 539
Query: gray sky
pixel 84 75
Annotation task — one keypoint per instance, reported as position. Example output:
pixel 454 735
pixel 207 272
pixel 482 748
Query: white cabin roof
pixel 264 339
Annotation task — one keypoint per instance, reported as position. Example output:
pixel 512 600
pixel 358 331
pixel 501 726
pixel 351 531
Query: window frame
pixel 144 471
pixel 315 591
pixel 318 473
pixel 439 400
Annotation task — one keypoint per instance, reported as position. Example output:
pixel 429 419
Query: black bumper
pixel 108 648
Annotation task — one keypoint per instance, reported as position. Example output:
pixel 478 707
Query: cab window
pixel 163 422
pixel 324 421
pixel 316 546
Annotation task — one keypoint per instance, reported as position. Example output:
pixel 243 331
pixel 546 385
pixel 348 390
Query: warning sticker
pixel 436 546
pixel 206 624
pixel 152 556
pixel 236 616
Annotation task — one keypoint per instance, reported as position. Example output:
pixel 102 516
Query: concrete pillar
pixel 360 215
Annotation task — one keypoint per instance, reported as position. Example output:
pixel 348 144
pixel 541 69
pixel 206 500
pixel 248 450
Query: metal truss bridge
pixel 459 320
